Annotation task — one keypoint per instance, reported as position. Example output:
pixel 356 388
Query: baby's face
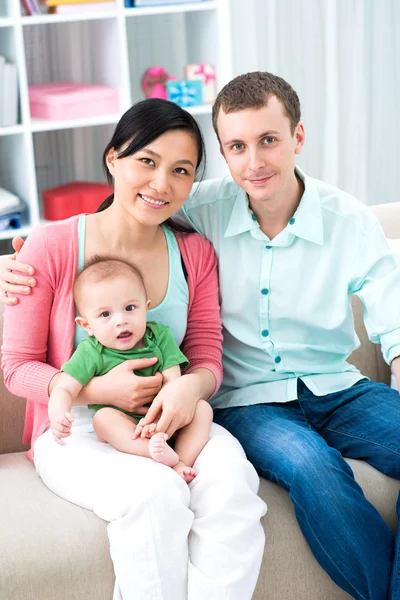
pixel 116 310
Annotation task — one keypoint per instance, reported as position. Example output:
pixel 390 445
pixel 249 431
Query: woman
pixel 167 540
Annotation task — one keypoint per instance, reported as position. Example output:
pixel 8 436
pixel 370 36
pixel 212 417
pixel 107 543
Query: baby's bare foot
pixel 187 473
pixel 161 452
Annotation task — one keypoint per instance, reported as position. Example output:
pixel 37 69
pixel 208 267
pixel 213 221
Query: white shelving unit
pixel 111 48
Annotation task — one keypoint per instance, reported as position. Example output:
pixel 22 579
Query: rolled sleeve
pixel 377 283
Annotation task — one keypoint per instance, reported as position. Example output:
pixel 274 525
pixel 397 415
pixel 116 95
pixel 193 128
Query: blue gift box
pixel 185 92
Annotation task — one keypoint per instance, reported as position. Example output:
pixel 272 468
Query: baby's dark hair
pixel 101 267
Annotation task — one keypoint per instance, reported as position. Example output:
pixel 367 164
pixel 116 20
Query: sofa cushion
pixel 41 528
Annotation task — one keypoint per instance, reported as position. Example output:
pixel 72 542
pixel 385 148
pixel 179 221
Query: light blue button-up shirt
pixel 285 302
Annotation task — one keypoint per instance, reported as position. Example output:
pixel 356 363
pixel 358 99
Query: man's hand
pixel 396 371
pixel 15 277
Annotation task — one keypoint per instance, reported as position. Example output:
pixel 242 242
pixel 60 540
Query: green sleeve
pixel 169 349
pixel 84 364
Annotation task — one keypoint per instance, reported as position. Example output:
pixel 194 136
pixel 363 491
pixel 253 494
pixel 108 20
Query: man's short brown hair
pixel 253 90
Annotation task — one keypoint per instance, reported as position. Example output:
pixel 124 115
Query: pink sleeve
pixel 26 328
pixel 202 344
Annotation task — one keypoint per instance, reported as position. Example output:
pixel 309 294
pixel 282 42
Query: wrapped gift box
pixel 66 100
pixel 185 93
pixel 206 74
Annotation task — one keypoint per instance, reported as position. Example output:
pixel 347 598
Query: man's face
pixel 260 149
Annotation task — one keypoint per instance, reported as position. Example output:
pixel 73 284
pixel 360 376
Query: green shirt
pixel 92 359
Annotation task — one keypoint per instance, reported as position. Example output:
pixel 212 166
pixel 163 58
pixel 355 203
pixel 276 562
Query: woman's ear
pixel 110 160
pixel 84 324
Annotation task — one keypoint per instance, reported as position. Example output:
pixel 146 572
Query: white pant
pixel 168 540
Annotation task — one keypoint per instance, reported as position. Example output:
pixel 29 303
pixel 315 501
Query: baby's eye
pixel 105 313
pixel 130 307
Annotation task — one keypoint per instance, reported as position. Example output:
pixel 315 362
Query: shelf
pixel 8 234
pixel 47 125
pixel 6 22
pixel 11 130
pixel 170 9
pixel 48 19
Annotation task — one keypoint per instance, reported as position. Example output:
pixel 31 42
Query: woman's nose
pixel 160 182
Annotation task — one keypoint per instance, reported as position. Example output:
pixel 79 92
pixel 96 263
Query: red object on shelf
pixel 74 198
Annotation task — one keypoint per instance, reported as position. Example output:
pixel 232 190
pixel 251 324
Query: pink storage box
pixel 66 100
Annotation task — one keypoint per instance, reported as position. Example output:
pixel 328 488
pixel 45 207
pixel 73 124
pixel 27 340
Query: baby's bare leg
pixel 192 439
pixel 116 428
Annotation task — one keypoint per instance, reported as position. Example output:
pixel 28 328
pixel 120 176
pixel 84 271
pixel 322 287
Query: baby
pixel 111 301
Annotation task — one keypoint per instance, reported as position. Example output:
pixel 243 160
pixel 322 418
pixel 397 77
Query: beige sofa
pixel 53 550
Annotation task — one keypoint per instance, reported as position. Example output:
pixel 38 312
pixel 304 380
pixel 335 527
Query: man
pixel 292 250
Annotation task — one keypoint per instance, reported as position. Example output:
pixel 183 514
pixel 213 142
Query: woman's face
pixel 152 184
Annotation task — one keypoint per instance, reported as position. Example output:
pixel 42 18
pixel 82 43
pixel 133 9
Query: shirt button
pixel 292 221
pixel 254 217
pixel 278 360
pixel 265 292
pixel 265 333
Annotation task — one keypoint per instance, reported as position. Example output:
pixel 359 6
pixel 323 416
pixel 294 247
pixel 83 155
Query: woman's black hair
pixel 144 122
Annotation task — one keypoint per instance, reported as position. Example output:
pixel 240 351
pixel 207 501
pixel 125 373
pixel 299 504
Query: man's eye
pixel 269 140
pixel 105 313
pixel 130 307
pixel 237 147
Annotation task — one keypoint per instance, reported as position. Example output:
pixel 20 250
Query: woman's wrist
pixel 203 381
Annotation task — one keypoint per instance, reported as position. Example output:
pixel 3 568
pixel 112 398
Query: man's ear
pixel 300 136
pixel 84 324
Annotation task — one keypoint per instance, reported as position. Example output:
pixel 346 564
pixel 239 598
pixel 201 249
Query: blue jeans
pixel 300 445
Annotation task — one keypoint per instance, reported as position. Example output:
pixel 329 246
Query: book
pixel 141 3
pixel 9 91
pixel 67 9
pixel 2 63
pixel 57 3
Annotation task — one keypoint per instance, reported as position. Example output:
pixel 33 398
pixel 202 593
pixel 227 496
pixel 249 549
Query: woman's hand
pixel 12 278
pixel 120 387
pixel 174 405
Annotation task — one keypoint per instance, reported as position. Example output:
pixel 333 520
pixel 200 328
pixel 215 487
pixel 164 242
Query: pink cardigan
pixel 39 331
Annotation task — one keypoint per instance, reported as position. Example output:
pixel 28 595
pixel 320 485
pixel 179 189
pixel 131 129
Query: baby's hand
pixel 61 426
pixel 144 431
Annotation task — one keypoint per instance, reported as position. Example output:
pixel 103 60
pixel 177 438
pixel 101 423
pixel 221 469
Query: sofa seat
pixel 54 549
pixel 72 542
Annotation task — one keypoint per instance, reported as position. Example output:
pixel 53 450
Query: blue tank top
pixel 173 310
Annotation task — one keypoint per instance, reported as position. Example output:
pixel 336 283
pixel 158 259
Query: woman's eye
pixel 181 171
pixel 105 313
pixel 148 161
pixel 130 307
